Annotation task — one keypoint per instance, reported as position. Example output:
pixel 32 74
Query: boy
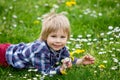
pixel 46 53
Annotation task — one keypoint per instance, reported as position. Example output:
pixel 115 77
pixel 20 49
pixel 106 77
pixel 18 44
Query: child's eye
pixel 53 36
pixel 63 36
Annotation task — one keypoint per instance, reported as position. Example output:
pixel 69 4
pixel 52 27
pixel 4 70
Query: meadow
pixel 95 30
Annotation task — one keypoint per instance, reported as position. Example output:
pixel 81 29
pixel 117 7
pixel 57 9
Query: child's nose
pixel 58 40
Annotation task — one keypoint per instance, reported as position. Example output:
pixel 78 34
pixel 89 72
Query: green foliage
pixel 95 27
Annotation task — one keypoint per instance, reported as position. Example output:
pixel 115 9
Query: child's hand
pixel 66 63
pixel 87 59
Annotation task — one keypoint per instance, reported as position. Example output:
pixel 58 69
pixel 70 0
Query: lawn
pixel 95 29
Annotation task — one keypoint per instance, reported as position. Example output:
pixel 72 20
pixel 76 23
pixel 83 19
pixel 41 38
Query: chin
pixel 56 49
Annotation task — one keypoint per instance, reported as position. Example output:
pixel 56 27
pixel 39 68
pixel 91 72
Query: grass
pixel 95 28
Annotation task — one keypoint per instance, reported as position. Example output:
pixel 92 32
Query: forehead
pixel 60 32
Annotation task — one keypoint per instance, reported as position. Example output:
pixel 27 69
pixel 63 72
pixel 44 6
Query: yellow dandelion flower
pixel 71 53
pixel 68 4
pixel 101 66
pixel 73 3
pixel 79 51
pixel 36 22
pixel 71 56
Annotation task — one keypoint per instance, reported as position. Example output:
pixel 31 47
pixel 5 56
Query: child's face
pixel 57 40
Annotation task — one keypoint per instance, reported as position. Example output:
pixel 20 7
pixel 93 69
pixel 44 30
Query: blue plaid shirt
pixel 36 54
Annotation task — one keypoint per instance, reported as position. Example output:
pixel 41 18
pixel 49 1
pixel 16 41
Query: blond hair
pixel 53 22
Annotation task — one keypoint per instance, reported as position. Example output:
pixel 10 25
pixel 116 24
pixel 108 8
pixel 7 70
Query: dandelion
pixel 70 3
pixel 101 66
pixel 36 22
pixel 79 51
pixel 71 56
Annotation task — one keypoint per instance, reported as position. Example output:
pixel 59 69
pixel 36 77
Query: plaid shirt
pixel 36 54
